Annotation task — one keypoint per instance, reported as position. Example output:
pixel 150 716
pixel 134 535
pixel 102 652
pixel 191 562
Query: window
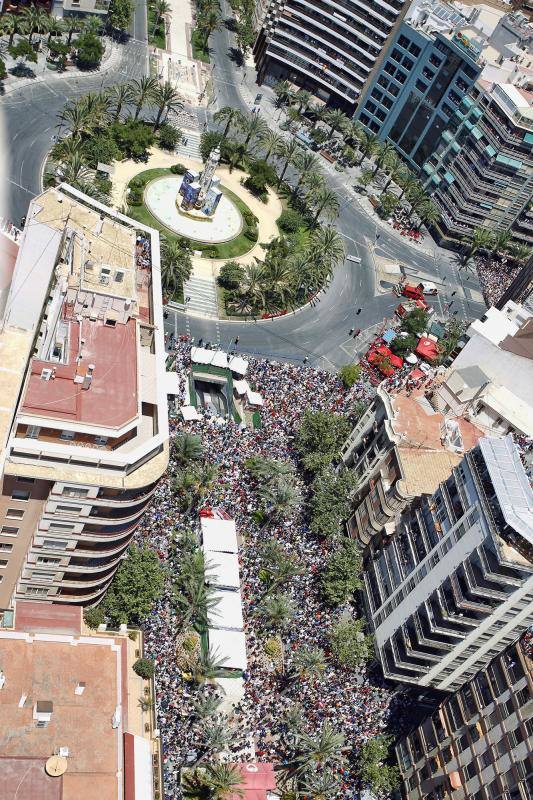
pixel 21 479
pixel 421 86
pixel 522 697
pixel 370 106
pixel 20 494
pixel 55 544
pixel 469 770
pixel 7 530
pixel 36 591
pixel 515 737
pixel 394 90
pixel 485 759
pixel 404 42
pixel 387 102
pixel 396 55
pixel 365 119
pixel 376 94
pixel 435 60
pixel 61 526
pixel 44 577
pixel 415 50
pixel 69 509
pixel 67 435
pixel 14 513
pixel 32 432
pixel 5 547
pixel 380 114
pixel 3 563
pixel 47 560
pixel 390 68
pixel 462 743
pixel 507 708
pixel 407 63
pixel 382 81
pixel 73 491
pixel 400 76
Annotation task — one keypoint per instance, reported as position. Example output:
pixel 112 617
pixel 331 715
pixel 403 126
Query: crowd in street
pixel 349 700
pixel 495 277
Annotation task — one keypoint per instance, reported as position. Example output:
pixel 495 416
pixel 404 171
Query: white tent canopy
pixel 227 613
pixel 189 413
pixel 219 535
pixel 238 365
pixel 254 398
pixel 229 645
pixel 223 569
pixel 241 387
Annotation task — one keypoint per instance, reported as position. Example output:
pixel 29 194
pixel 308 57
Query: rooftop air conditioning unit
pixel 46 374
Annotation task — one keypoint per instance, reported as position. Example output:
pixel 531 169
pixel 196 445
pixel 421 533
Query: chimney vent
pixel 80 688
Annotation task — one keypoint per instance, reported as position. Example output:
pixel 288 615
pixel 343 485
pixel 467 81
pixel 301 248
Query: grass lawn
pixel 156 35
pixel 198 50
pixel 227 250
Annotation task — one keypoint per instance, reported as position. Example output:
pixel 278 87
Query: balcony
pixel 320 34
pixel 280 52
pixel 374 35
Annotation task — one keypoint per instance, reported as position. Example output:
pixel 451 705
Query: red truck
pixel 415 292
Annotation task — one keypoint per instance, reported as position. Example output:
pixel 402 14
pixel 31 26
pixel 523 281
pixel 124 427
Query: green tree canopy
pixel 120 14
pixel 349 374
pixel 403 344
pixel 101 148
pixel 231 275
pixel 136 586
pixel 89 51
pixel 349 645
pixel 415 322
pixel 330 502
pixel 374 773
pixel 342 575
pixel 319 438
pixel 133 137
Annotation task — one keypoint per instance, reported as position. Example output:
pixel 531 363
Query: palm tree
pixel 327 245
pixel 482 239
pixel 280 499
pixel 9 25
pixel 324 749
pixel 406 181
pixel 428 214
pixel 395 170
pixel 284 93
pixel 321 784
pixel 54 28
pixel 309 662
pixel 74 169
pixel 384 154
pixel 317 114
pixel 278 611
pixel 161 7
pixel 271 141
pixel 288 151
pixel 97 105
pixel 231 116
pixel 208 23
pixel 143 92
pixel 417 197
pixel 268 469
pixel 353 132
pixel 77 119
pixel 224 779
pixel 206 707
pixel 71 25
pixel 501 241
pixel 306 163
pixel 325 202
pixel 278 566
pixel 194 603
pixel 208 666
pixel 368 145
pixel 185 448
pixel 521 251
pixel 119 95
pixel 302 98
pixel 166 98
pixel 337 120
pixel 65 148
pixel 30 19
pixel 314 182
pixel 253 284
pixel 255 127
pixel 175 264
pixel 92 25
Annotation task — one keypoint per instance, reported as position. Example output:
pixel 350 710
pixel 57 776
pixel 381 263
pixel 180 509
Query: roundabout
pixel 162 197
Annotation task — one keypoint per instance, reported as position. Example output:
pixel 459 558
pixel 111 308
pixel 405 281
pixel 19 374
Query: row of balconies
pixel 337 42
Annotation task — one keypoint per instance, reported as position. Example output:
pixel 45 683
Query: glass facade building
pixel 419 85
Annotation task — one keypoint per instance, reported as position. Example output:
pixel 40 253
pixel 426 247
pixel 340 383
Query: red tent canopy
pixel 427 348
pixel 396 361
pixel 415 374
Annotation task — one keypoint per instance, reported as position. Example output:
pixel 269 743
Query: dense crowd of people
pixel 354 705
pixel 495 277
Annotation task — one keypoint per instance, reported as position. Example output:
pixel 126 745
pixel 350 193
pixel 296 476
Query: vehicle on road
pixel 411 305
pixel 355 259
pixel 415 291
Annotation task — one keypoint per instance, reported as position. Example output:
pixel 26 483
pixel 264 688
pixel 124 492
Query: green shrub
pixel 178 169
pixel 144 667
pixel 94 617
pixel 231 275
pixel 349 374
pixel 249 218
pixel 290 220
pixel 169 136
pixel 137 183
pixel 273 648
pixel 189 642
pixel 251 234
pixel 210 252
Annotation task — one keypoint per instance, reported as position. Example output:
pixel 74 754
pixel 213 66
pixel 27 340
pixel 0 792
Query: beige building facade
pixel 83 416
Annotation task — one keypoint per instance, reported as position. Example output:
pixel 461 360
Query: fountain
pixel 194 206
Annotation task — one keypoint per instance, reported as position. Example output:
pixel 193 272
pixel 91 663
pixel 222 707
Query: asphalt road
pixel 320 331
pixel 29 117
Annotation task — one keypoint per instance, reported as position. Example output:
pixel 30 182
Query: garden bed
pixel 234 248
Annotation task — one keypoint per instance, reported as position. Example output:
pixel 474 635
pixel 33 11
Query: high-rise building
pixel 400 448
pixel 328 47
pixel 83 417
pixel 478 743
pixel 452 584
pixel 420 83
pixel 481 173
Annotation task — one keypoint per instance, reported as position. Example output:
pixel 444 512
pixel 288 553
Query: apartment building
pixel 400 448
pixel 478 743
pixel 452 584
pixel 83 417
pixel 329 47
pixel 478 386
pixel 481 173
pixel 417 89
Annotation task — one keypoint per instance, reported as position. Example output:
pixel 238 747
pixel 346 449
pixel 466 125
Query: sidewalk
pixel 112 57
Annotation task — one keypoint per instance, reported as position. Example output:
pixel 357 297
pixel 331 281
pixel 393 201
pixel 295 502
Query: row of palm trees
pixel 32 20
pixel 497 244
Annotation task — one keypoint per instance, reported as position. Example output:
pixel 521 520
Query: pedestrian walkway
pixel 202 294
pixel 190 146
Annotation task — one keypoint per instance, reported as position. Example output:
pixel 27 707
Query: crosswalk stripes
pixel 202 294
